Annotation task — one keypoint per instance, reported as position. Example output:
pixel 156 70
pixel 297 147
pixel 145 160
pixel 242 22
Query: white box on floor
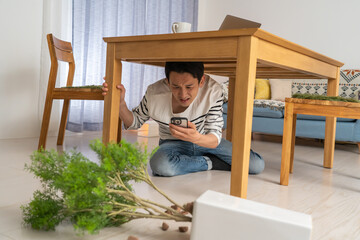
pixel 219 216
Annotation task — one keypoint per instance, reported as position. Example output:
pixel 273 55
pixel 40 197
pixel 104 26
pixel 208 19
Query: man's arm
pixel 214 120
pixel 208 140
pixel 190 134
pixel 125 114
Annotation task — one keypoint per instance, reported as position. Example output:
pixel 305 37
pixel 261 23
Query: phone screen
pixel 180 121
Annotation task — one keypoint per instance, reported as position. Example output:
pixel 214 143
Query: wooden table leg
pixel 112 99
pixel 293 138
pixel 229 122
pixel 286 143
pixel 330 124
pixel 242 110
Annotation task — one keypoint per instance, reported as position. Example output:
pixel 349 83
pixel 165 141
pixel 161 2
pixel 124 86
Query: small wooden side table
pixel 330 109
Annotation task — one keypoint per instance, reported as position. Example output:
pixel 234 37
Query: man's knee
pixel 160 165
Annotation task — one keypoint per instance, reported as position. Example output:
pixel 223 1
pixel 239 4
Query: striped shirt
pixel 205 111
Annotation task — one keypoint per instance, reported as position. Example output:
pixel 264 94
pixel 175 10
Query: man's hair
pixel 196 69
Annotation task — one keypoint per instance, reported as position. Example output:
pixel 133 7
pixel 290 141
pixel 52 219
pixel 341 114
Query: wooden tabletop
pixel 224 61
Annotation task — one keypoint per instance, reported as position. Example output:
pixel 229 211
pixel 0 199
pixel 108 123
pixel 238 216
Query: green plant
pixel 322 97
pixel 93 196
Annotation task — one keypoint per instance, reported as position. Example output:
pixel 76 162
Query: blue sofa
pixel 268 120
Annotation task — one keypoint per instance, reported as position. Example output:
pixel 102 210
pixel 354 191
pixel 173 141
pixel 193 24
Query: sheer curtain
pixel 57 19
pixel 95 19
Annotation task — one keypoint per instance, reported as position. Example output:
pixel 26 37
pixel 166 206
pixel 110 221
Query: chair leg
pixel 45 123
pixel 64 116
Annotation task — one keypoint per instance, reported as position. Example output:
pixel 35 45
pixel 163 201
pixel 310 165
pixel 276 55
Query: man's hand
pixel 189 134
pixel 105 89
pixel 125 114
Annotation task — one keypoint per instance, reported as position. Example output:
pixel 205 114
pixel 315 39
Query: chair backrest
pixel 60 51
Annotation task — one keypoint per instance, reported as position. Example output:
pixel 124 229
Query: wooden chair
pixel 62 51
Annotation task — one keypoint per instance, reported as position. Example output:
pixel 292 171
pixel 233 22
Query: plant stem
pixel 148 181
pixel 143 203
pixel 144 176
pixel 135 215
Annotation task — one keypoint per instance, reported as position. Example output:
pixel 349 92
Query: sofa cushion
pixel 345 131
pixel 267 112
pixel 268 108
pixel 264 108
pixel 280 89
pixel 262 89
pixel 322 118
pixel 349 84
pixel 310 86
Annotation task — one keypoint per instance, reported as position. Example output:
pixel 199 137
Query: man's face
pixel 184 87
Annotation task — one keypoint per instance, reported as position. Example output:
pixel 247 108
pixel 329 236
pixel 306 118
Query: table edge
pixel 256 32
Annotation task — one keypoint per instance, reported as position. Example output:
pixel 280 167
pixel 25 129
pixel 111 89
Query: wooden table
pixel 241 54
pixel 294 106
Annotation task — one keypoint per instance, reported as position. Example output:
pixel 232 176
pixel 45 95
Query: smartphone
pixel 180 121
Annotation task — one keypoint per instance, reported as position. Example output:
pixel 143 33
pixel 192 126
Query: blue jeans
pixel 176 157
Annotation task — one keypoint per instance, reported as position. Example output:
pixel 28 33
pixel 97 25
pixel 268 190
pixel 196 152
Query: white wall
pixel 330 27
pixel 21 28
pixel 25 63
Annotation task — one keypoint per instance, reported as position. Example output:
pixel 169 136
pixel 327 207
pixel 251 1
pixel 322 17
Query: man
pixel 185 92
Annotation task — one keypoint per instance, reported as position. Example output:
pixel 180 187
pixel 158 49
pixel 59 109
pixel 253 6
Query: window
pixel 95 19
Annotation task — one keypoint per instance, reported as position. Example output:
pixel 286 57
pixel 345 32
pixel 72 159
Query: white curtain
pixel 95 19
pixel 57 19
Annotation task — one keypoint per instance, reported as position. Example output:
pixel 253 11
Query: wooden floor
pixel 331 197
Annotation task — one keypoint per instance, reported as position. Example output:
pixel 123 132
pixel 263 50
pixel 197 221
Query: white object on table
pixel 179 27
